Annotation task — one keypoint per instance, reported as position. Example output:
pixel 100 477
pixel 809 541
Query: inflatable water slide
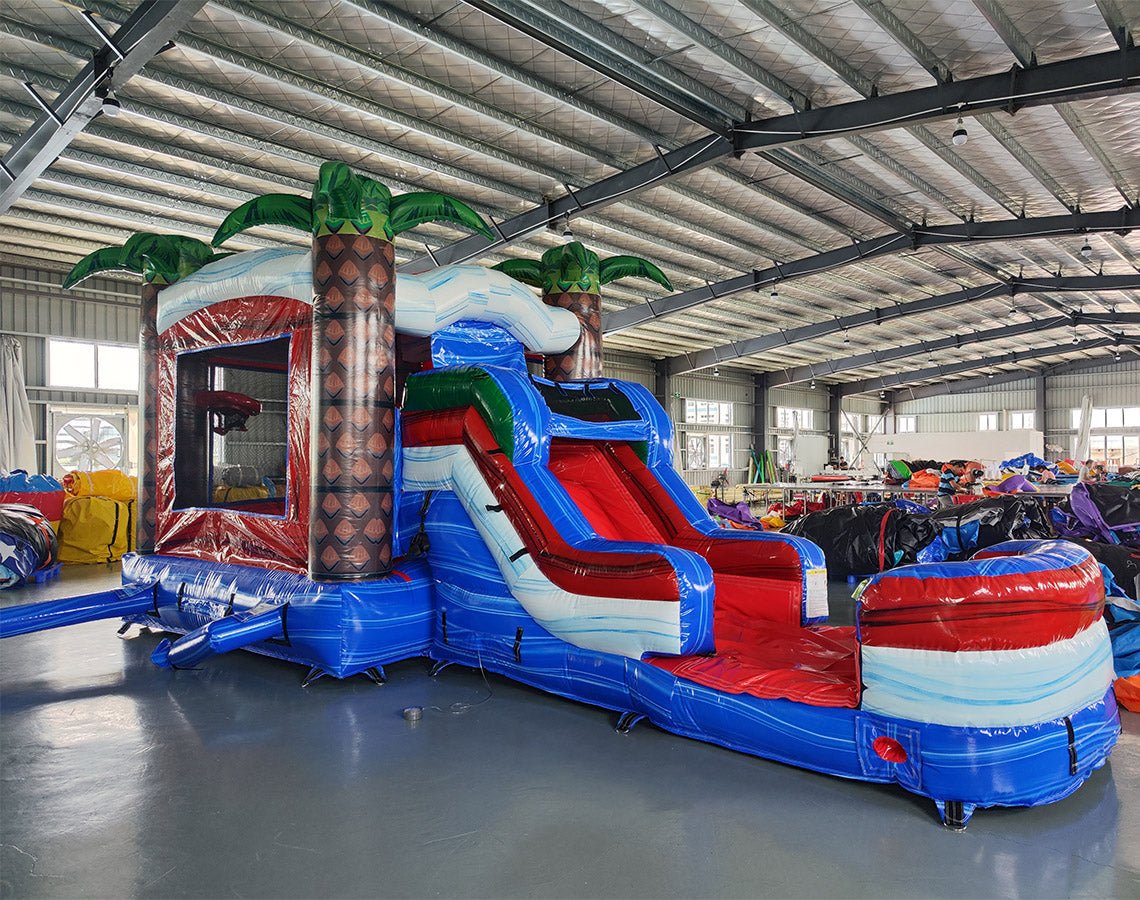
pixel 439 499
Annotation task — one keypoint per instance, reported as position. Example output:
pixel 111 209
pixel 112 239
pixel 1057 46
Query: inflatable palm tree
pixel 571 277
pixel 161 259
pixel 353 221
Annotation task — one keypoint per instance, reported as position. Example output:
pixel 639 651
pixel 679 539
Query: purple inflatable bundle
pixel 1103 512
pixel 740 513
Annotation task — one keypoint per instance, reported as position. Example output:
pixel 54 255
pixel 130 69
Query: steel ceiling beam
pixel 787 25
pixel 1116 21
pixel 629 65
pixel 703 152
pixel 901 379
pixel 281 115
pixel 401 21
pixel 145 33
pixel 961 386
pixel 916 239
pixel 829 367
pixel 372 61
pixel 703 359
pixel 259 67
pixel 1054 83
pixel 1097 75
pixel 1023 53
pixel 816 174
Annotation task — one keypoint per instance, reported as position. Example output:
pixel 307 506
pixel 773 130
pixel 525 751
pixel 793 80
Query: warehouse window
pixel 708 451
pixel 1114 449
pixel 786 417
pixel 83 364
pixel 906 424
pixel 1110 417
pixel 1022 420
pixel 708 412
pixel 1114 435
pixel 988 422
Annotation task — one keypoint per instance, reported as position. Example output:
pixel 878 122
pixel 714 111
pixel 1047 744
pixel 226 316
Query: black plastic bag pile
pixel 862 540
pixel 967 527
pixel 859 540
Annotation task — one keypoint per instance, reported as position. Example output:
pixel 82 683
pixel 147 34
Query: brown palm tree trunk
pixel 353 415
pixel 584 359
pixel 145 511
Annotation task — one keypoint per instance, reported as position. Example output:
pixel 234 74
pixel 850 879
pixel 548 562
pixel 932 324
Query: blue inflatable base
pixel 408 615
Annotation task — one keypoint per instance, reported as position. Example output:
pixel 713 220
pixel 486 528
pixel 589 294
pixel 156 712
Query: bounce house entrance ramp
pixel 600 552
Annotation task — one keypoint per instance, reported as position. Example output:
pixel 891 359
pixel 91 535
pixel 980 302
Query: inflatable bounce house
pixel 426 495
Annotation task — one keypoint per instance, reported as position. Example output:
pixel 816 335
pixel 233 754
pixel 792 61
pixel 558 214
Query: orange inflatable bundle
pixel 1127 692
pixel 924 478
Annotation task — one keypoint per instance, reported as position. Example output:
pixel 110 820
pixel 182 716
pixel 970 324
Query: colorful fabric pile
pixel 27 543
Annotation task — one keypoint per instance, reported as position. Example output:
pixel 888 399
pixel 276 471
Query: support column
pixel 760 412
pixel 1040 405
pixel 834 421
pixel 146 512
pixel 889 413
pixel 661 386
pixel 353 414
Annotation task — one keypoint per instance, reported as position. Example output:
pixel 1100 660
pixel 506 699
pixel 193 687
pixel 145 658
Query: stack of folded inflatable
pixel 27 543
pixel 39 491
pixel 98 517
pixel 234 483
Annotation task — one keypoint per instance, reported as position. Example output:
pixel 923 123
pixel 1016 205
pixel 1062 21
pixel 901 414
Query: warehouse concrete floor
pixel 122 780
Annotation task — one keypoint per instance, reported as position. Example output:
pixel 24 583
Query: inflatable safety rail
pixel 1003 658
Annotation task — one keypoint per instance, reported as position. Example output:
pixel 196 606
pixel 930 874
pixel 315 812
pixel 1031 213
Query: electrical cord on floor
pixel 460 707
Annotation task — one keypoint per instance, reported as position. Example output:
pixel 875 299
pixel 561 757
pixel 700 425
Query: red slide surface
pixel 633 576
pixel 762 649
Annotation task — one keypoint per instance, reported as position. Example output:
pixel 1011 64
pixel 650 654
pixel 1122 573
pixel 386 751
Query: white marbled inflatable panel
pixel 424 303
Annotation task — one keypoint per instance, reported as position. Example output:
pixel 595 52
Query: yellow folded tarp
pixel 95 530
pixel 109 483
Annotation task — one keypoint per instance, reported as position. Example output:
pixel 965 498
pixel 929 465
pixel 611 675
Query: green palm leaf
pixel 632 267
pixel 570 267
pixel 375 206
pixel 338 192
pixel 105 259
pixel 418 207
pixel 528 271
pixel 288 210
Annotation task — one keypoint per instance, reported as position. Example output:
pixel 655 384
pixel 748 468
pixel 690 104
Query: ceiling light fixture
pixel 960 135
pixel 775 295
pixel 567 231
pixel 1116 356
pixel 812 385
pixel 111 106
pixel 882 395
pixel 1086 249
pixel 716 371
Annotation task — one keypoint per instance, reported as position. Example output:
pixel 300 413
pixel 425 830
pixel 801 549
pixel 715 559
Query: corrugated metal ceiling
pixel 442 95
